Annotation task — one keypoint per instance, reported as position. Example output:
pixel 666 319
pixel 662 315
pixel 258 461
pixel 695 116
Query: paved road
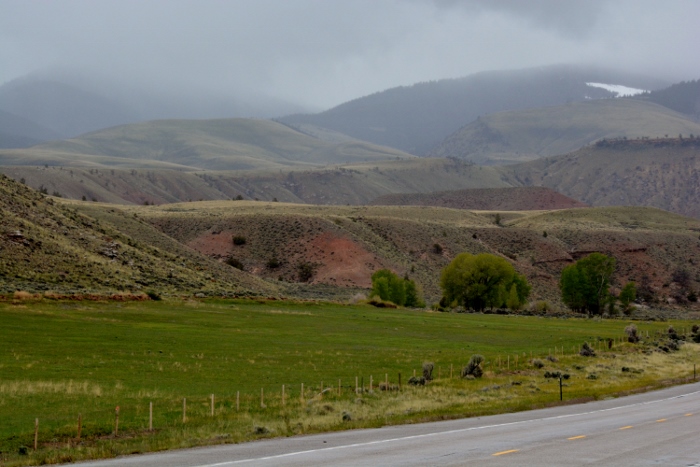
pixel 656 428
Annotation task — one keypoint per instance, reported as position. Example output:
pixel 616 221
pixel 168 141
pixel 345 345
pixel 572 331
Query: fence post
pixel 399 380
pixel 150 416
pixel 283 394
pixel 450 371
pixel 357 388
pixel 262 398
pixel 184 409
pixel 338 387
pixel 370 383
pixel 386 381
pixel 238 399
pixel 80 426
pixel 36 433
pixel 116 421
pixel 301 397
pixel 212 405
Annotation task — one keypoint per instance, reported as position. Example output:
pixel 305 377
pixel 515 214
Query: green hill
pixel 227 144
pixel 522 135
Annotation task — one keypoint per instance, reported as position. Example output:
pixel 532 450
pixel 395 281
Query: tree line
pixel 486 281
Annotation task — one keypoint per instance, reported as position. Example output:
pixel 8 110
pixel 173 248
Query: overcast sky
pixel 324 52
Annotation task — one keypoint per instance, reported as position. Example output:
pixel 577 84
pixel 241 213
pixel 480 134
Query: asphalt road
pixel 656 428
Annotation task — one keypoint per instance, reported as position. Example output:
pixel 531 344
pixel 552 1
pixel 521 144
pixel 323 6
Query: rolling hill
pixel 343 245
pixel 227 144
pixel 521 135
pixel 417 118
pixel 349 184
pixel 485 199
pixel 58 247
pixel 48 246
pixel 663 173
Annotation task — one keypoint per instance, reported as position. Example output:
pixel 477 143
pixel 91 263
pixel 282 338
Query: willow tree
pixel 483 281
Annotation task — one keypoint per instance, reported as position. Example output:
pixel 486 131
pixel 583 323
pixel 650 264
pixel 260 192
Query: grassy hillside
pixel 344 245
pixel 522 135
pixel 228 144
pixel 417 118
pixel 48 246
pixel 661 173
pixel 485 199
pixel 350 184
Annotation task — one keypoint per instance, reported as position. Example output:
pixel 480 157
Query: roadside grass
pixel 60 359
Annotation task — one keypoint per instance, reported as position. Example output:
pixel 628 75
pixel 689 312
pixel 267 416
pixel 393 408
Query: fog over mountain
pixel 310 55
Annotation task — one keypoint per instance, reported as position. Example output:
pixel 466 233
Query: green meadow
pixel 61 359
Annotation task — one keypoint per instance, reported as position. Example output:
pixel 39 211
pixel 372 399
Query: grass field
pixel 61 359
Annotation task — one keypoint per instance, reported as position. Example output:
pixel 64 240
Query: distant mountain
pixel 417 118
pixel 662 173
pixel 69 104
pixel 227 144
pixel 64 109
pixel 485 199
pixel 18 132
pixel 520 135
pixel 682 97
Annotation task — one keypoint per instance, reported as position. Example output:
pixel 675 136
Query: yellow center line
pixel 689 415
pixel 577 437
pixel 626 427
pixel 661 420
pixel 505 452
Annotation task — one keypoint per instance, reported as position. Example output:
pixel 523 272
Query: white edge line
pixel 426 435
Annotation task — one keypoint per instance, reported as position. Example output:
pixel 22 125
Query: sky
pixel 320 53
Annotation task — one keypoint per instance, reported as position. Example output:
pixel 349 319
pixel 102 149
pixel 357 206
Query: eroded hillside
pixel 344 245
pixel 663 173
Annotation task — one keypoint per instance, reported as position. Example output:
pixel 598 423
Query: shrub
pixel 153 295
pixel 239 240
pixel 236 263
pixel 537 363
pixel 672 334
pixel 586 350
pixel 632 334
pixel 474 368
pixel 552 358
pixel 273 263
pixel 437 249
pixel 305 270
pixel 416 381
pixel 428 371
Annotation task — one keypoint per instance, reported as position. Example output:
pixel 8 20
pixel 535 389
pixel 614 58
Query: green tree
pixel 389 287
pixel 628 294
pixel 585 284
pixel 482 281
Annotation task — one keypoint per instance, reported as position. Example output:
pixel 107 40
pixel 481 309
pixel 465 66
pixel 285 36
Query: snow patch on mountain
pixel 618 89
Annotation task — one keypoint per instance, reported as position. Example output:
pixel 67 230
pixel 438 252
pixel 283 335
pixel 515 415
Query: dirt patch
pixel 342 261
